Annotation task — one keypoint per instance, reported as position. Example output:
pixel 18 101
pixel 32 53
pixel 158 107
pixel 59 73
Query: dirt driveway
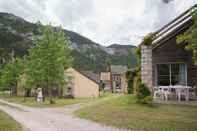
pixel 50 119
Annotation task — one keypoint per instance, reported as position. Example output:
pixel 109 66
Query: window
pixel 171 74
pixel 163 74
pixel 175 74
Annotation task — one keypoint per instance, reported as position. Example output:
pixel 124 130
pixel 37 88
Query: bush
pixel 148 39
pixel 136 81
pixel 130 78
pixel 143 94
pixel 101 88
pixel 147 100
pixel 130 86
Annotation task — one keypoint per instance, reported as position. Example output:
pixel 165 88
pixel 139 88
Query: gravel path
pixel 50 119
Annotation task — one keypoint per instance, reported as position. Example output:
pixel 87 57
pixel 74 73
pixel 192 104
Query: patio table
pixel 179 89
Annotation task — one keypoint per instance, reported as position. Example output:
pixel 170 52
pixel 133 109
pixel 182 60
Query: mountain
pixel 18 35
pixel 123 55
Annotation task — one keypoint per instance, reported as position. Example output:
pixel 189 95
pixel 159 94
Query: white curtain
pixel 182 74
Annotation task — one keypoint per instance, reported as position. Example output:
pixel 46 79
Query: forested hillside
pixel 18 35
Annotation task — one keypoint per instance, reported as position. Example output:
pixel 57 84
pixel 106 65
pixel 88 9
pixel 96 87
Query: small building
pixel 80 85
pixel 118 78
pixel 115 80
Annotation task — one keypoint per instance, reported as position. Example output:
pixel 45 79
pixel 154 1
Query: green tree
pixel 190 36
pixel 23 85
pixel 10 75
pixel 48 60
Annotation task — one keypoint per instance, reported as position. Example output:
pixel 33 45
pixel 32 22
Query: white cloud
pixel 103 21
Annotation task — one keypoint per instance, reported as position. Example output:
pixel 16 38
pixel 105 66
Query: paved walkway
pixel 50 119
pixel 170 102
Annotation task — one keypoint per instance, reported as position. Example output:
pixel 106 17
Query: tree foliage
pixel 190 36
pixel 48 60
pixel 138 56
pixel 11 73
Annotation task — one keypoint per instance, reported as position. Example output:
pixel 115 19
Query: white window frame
pixel 170 73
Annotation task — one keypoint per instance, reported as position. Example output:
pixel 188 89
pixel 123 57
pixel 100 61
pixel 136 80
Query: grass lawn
pixel 123 112
pixel 8 124
pixel 30 101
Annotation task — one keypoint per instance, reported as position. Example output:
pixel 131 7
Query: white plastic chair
pixel 182 92
pixel 161 92
pixel 157 93
pixel 165 92
pixel 192 93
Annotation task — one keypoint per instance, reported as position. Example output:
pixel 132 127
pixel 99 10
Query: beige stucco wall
pixel 83 86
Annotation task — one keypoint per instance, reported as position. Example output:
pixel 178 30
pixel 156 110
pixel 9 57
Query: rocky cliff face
pixel 18 35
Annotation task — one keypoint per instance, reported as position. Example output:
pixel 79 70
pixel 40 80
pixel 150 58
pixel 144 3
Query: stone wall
pixel 147 66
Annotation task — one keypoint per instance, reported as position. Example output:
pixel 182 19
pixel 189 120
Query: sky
pixel 103 21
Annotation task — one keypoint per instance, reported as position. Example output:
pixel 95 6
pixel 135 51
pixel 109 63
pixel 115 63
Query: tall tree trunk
pixel 60 92
pixel 43 94
pixel 13 91
pixel 28 92
pixel 50 96
pixel 24 97
pixel 10 91
pixel 35 93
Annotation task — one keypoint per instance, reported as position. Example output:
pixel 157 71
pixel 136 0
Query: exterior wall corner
pixel 147 66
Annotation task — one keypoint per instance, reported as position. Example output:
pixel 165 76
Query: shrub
pixel 143 94
pixel 130 86
pixel 101 86
pixel 148 39
pixel 136 80
pixel 130 79
pixel 147 100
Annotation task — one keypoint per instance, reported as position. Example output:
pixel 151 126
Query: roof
pixel 91 75
pixel 118 69
pixel 87 76
pixel 177 25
